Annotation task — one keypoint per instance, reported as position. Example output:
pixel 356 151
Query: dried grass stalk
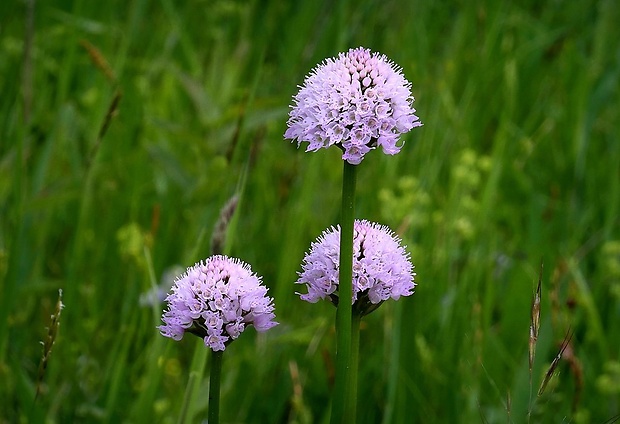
pixel 535 321
pixel 99 60
pixel 218 240
pixel 555 362
pixel 48 343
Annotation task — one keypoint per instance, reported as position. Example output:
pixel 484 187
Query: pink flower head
pixel 216 299
pixel 357 101
pixel 381 267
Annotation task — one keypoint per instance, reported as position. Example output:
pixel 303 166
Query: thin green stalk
pixel 195 377
pixel 214 387
pixel 343 409
pixel 353 367
pixel 393 362
pixel 191 382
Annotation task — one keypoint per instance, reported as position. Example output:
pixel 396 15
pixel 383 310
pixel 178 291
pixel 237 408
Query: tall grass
pixel 518 161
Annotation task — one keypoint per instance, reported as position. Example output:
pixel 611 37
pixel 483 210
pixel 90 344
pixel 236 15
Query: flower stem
pixel 214 387
pixel 343 408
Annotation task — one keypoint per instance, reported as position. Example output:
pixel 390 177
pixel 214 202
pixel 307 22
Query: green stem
pixel 354 365
pixel 214 387
pixel 393 362
pixel 195 377
pixel 342 407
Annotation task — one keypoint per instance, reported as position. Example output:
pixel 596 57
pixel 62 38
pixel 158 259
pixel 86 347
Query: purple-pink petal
pixel 384 270
pixel 358 90
pixel 218 298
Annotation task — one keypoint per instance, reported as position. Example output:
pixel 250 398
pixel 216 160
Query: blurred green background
pixel 125 126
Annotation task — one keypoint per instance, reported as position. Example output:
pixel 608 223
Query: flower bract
pixel 381 267
pixel 357 101
pixel 217 299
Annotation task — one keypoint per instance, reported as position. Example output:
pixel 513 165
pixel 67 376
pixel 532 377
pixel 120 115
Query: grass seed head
pixel 535 321
pixel 556 361
pixel 48 343
pixel 218 240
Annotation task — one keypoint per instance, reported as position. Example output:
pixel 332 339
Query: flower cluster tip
pixel 357 101
pixel 216 299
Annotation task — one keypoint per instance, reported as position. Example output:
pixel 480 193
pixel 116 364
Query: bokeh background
pixel 125 126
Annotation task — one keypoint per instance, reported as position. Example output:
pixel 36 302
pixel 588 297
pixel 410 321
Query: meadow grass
pixel 126 126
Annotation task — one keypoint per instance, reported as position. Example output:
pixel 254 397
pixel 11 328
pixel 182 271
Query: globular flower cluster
pixel 357 101
pixel 216 299
pixel 381 267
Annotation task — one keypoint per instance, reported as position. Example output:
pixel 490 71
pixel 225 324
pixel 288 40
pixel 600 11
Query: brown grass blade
pixel 535 321
pixel 111 113
pixel 218 239
pixel 555 362
pixel 99 60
